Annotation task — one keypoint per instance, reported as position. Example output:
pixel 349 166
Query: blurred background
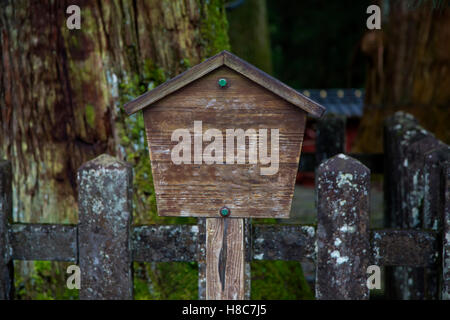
pixel 62 94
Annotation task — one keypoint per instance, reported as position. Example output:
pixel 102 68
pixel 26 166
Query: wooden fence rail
pixel 105 243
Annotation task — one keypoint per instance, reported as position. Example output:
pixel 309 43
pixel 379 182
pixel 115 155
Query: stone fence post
pixel 6 264
pixel 343 186
pixel 105 213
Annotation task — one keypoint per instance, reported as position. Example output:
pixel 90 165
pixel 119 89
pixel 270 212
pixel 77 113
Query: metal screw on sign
pixel 222 82
pixel 225 212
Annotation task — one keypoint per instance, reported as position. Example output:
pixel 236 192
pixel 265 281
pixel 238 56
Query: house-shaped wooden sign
pixel 224 140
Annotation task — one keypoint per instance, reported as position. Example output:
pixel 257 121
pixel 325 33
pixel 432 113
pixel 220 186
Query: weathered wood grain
pixel 248 244
pixel 201 190
pixel 225 265
pixel 272 84
pixel 226 58
pixel 174 84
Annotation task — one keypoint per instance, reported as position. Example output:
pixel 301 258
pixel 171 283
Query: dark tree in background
pixel 249 32
pixel 404 66
pixel 315 42
pixel 62 93
pixel 409 69
pixel 61 90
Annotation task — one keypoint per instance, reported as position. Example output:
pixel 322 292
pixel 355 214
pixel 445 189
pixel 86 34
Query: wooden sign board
pixel 224 135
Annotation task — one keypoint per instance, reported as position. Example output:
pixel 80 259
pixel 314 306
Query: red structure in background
pixel 309 145
pixel 348 102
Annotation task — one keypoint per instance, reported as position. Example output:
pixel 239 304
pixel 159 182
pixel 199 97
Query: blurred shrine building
pixel 346 103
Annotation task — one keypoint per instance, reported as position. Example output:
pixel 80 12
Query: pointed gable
pixel 225 58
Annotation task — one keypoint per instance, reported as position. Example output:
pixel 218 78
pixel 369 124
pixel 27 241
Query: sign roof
pixel 228 59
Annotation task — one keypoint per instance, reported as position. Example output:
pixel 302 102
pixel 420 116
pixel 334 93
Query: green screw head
pixel 222 82
pixel 224 212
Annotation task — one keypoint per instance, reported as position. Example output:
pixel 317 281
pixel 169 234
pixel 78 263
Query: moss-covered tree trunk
pixel 62 93
pixel 409 69
pixel 61 90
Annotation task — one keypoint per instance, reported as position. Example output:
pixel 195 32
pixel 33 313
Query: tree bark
pixel 409 69
pixel 249 33
pixel 61 90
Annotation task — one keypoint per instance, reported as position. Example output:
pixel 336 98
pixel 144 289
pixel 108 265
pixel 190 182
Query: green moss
pixel 131 130
pixel 166 281
pixel 214 27
pixel 73 41
pixel 186 63
pixel 279 280
pixel 89 112
pixel 264 221
pixel 42 280
pixel 250 40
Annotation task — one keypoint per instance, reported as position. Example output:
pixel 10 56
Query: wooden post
pixel 446 234
pixel 105 212
pixel 330 138
pixel 6 264
pixel 225 261
pixel 202 280
pixel 343 186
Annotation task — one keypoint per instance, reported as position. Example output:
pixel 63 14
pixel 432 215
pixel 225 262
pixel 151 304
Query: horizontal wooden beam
pixel 278 242
pixel 412 248
pixel 53 242
pixel 165 243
